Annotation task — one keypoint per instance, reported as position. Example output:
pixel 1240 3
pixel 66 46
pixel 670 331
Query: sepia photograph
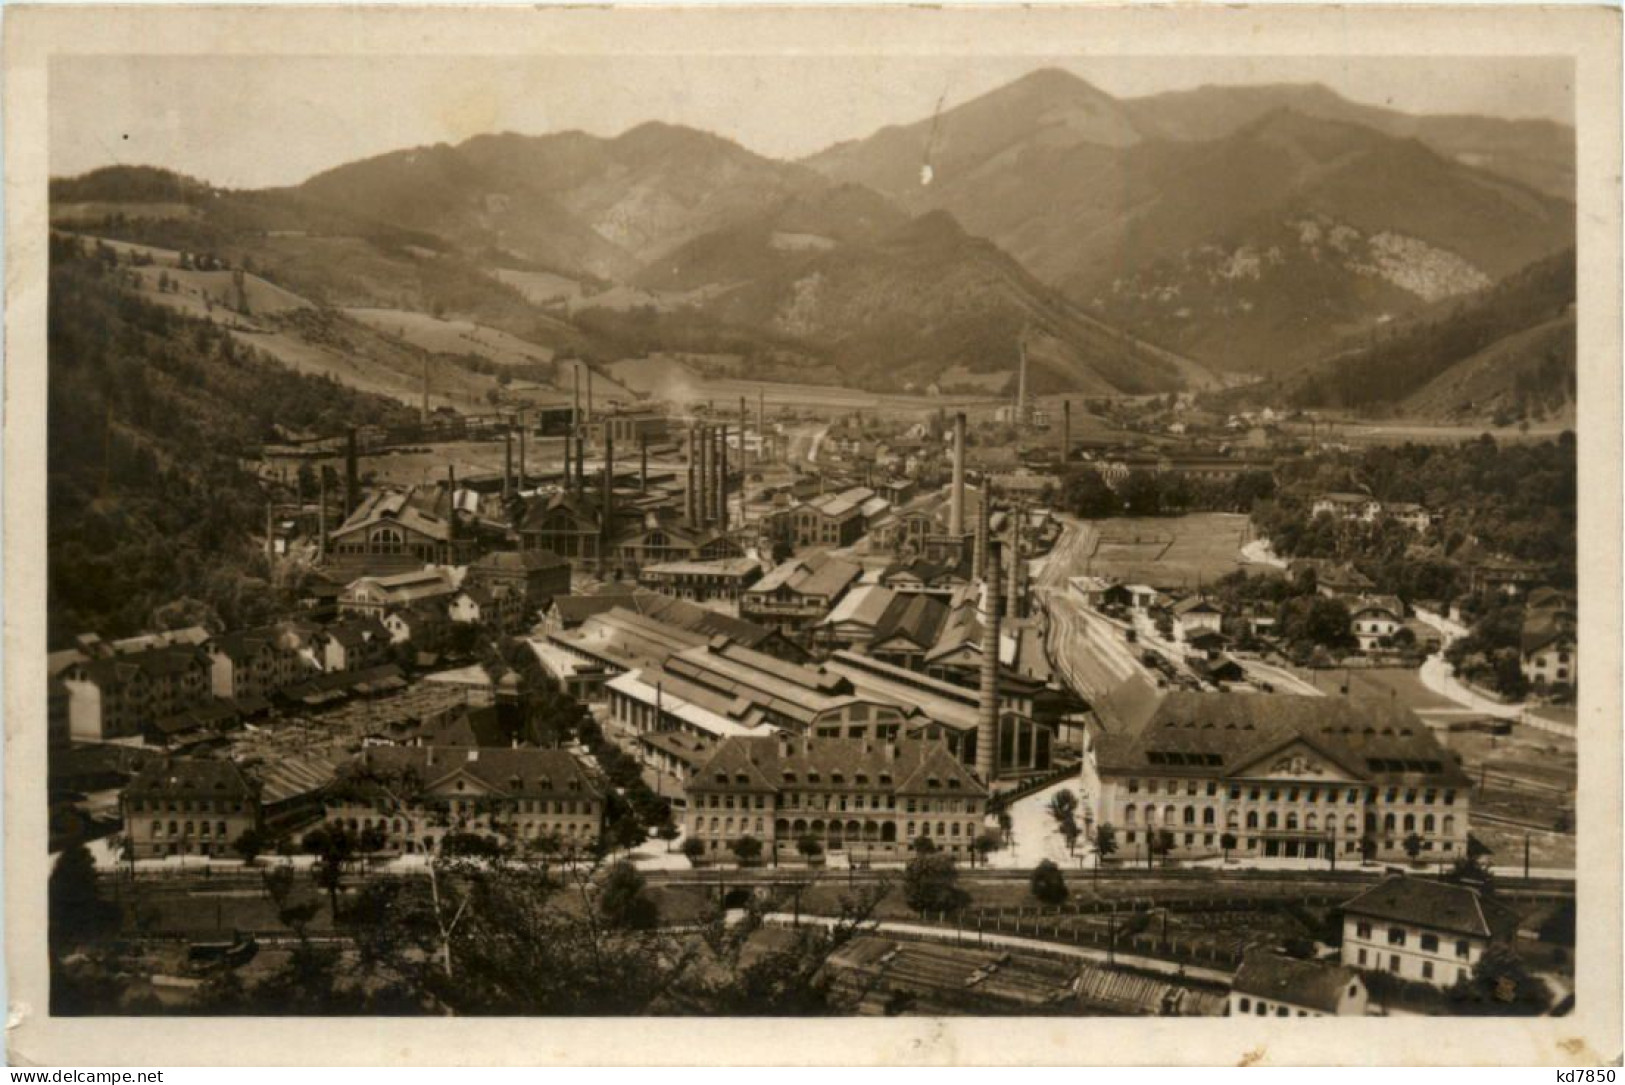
pixel 639 526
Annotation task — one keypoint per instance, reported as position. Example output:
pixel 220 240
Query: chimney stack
pixel 1013 596
pixel 321 512
pixel 744 424
pixel 761 425
pixel 643 462
pixel 589 394
pixel 607 514
pixel 575 402
pixel 581 464
pixel 983 518
pixel 564 481
pixel 352 481
pixel 521 450
pixel 987 725
pixel 1066 430
pixel 507 460
pixel 722 476
pixel 956 499
pixel 690 504
pixel 425 413
pixel 1021 385
pixel 702 475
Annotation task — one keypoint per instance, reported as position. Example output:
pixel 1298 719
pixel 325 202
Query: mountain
pixel 1508 351
pixel 1254 247
pixel 568 202
pixel 906 302
pixel 1536 153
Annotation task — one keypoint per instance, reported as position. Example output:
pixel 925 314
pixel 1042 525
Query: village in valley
pixel 989 694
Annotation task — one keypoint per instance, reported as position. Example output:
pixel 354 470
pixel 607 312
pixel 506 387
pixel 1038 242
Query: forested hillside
pixel 1533 372
pixel 149 413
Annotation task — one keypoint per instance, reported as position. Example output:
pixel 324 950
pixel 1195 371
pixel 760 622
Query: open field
pixel 1165 551
pixel 1397 684
pixel 664 376
pixel 452 336
pixel 1423 432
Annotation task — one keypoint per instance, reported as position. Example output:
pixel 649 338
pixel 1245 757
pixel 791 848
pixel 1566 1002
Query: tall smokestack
pixel 744 424
pixel 564 481
pixel 321 512
pixel 956 499
pixel 589 394
pixel 702 476
pixel 761 425
pixel 722 476
pixel 987 724
pixel 1021 386
pixel 425 414
pixel 643 462
pixel 983 516
pixel 607 514
pixel 352 481
pixel 575 402
pixel 581 464
pixel 1066 430
pixel 521 450
pixel 690 497
pixel 451 500
pixel 1013 595
pixel 507 460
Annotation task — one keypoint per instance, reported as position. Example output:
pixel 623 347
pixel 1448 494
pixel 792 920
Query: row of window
pixel 1397 936
pixel 202 829
pixel 1329 795
pixel 186 806
pixel 1428 972
pixel 1272 820
pixel 1262 1009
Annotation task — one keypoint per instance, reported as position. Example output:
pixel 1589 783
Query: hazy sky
pixel 258 121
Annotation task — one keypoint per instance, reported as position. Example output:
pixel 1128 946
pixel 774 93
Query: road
pixel 1088 651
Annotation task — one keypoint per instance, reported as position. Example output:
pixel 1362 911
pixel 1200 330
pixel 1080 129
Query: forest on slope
pixel 149 416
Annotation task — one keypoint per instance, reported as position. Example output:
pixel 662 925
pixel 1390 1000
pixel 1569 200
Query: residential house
pixel 1195 614
pixel 1422 930
pixel 122 696
pixel 249 665
pixel 1347 507
pixel 1375 619
pixel 1548 646
pixel 1269 984
pixel 349 645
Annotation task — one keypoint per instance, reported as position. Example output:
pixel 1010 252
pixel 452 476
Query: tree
pixel 747 849
pixel 668 832
pixel 624 901
pixel 1500 984
pixel 923 845
pixel 77 912
pixel 693 850
pixel 1368 848
pixel 1413 846
pixel 334 848
pixel 1047 885
pixel 1141 494
pixel 931 884
pixel 1227 842
pixel 627 831
pixel 809 847
pixel 1105 843
pixel 984 845
pixel 1063 809
pixel 249 844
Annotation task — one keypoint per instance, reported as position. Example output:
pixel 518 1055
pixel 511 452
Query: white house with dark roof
pixel 1271 985
pixel 1422 930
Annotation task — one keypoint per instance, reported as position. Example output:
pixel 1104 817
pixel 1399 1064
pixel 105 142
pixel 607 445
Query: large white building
pixel 1270 985
pixel 1291 777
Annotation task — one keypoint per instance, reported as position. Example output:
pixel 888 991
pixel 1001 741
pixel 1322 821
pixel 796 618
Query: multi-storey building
pixel 1285 776
pixel 798 593
pixel 249 665
pixel 536 576
pixel 412 797
pixel 868 798
pixel 702 581
pixel 188 806
pixel 121 696
pixel 1422 930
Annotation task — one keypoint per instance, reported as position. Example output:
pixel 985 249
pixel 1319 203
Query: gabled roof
pixel 1317 985
pixel 1194 604
pixel 1444 906
pixel 508 772
pixel 190 777
pixel 769 763
pixel 1389 604
pixel 913 616
pixel 398 507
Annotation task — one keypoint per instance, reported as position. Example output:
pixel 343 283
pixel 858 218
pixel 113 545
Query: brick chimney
pixel 956 497
pixel 606 517
pixel 987 726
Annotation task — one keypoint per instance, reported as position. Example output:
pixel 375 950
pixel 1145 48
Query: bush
pixel 1048 886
